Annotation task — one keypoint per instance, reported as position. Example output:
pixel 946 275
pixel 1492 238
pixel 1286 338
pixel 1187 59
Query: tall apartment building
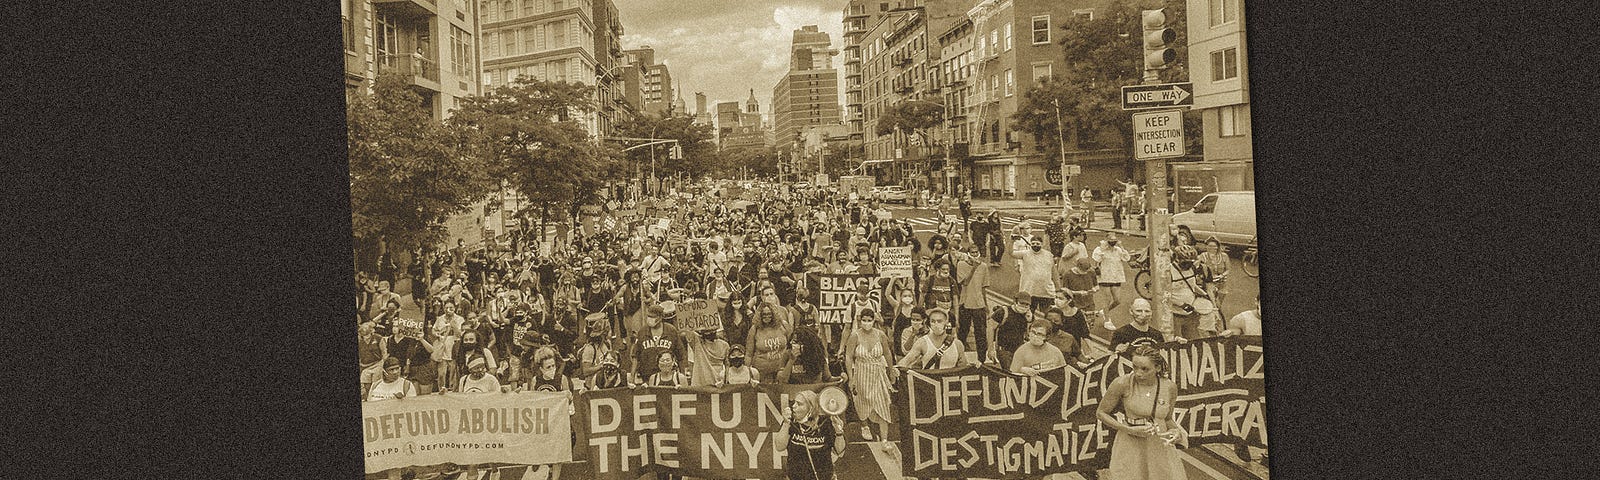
pixel 555 40
pixel 961 122
pixel 701 116
pixel 657 80
pixel 728 117
pixel 900 64
pixel 809 94
pixel 1221 76
pixel 859 16
pixel 1013 48
pixel 433 44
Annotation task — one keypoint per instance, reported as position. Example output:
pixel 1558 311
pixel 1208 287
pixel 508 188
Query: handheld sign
pixel 894 262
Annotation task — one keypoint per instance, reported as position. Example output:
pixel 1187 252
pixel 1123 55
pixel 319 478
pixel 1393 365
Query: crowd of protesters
pixel 598 307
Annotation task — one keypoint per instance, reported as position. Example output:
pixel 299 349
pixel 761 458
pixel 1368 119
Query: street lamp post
pixel 1061 140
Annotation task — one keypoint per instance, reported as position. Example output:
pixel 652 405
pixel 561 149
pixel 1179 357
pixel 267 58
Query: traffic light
pixel 676 153
pixel 1158 52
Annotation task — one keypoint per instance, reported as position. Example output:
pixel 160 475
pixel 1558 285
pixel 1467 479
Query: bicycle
pixel 1250 259
pixel 1141 280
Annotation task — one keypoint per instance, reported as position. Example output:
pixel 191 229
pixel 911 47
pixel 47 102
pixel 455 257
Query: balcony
pixel 421 71
pixel 902 61
pixel 408 8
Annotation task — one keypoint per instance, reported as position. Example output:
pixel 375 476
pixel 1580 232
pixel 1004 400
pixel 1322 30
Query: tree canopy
pixel 699 152
pixel 1102 55
pixel 407 174
pixel 529 133
pixel 911 116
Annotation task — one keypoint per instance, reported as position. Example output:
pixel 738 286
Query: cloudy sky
pixel 727 47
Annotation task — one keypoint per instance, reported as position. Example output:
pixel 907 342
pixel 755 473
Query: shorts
pixel 373 373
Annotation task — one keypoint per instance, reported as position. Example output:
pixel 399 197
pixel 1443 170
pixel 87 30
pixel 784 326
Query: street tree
pixel 529 133
pixel 407 174
pixel 911 117
pixel 1102 55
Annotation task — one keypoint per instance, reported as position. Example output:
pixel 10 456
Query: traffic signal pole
pixel 1158 54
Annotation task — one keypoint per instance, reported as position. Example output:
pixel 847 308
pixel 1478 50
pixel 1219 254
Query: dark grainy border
pixel 180 248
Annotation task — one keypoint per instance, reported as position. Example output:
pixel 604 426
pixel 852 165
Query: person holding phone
pixel 1147 437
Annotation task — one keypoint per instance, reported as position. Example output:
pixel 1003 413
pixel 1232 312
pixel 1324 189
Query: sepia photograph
pixel 815 239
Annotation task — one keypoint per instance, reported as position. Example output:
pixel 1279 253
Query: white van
pixel 1229 216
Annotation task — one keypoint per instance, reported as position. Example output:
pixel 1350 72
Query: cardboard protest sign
pixel 703 432
pixel 980 422
pixel 835 296
pixel 409 326
pixel 894 262
pixel 466 429
pixel 697 313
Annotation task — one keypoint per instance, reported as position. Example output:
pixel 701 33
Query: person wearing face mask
pixel 708 353
pixel 1112 261
pixel 737 371
pixel 478 379
pixel 667 374
pixel 1037 354
pixel 972 277
pixel 372 353
pixel 608 374
pixel 915 327
pixel 596 345
pixel 1191 309
pixel 1035 272
pixel 547 376
pixel 1008 327
pixel 868 357
pixel 936 349
pixel 473 345
pixel 657 337
pixel 1147 436
pixel 808 359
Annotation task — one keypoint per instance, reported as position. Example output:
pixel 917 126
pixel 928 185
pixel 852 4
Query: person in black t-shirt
pixel 1139 331
pixel 1009 329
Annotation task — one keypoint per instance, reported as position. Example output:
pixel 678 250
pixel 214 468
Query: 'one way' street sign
pixel 1166 95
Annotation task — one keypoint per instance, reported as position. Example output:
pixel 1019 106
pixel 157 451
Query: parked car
pixel 1229 216
pixel 894 193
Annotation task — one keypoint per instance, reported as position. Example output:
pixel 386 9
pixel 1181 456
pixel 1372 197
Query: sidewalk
pixel 1042 211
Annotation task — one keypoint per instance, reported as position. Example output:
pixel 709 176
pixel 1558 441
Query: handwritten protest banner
pixel 697 313
pixel 985 423
pixel 702 432
pixel 466 429
pixel 894 262
pixel 836 296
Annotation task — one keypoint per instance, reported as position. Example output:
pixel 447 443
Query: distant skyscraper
pixel 809 94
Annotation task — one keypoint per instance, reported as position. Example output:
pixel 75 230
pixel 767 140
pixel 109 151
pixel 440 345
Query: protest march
pixel 760 332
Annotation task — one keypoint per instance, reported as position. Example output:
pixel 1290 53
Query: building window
pixel 994 86
pixel 529 34
pixel 491 47
pixel 387 41
pixel 1007 38
pixel 1041 72
pixel 509 37
pixel 1228 121
pixel 1223 12
pixel 491 11
pixel 508 9
pixel 461 52
pixel 1083 15
pixel 1041 30
pixel 1011 84
pixel 994 41
pixel 1224 64
pixel 528 7
pixel 556 5
pixel 560 38
pixel 883 6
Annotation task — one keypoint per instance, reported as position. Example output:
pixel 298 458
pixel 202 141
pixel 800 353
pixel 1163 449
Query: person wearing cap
pixel 1184 289
pixel 392 385
pixel 708 354
pixel 597 343
pixel 653 338
pixel 1112 267
pixel 371 354
pixel 1008 327
pixel 478 379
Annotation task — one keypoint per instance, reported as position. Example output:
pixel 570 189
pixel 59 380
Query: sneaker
pixel 866 432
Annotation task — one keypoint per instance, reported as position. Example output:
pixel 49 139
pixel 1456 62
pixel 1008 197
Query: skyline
pixel 700 61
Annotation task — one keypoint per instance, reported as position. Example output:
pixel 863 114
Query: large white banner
pixel 468 428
